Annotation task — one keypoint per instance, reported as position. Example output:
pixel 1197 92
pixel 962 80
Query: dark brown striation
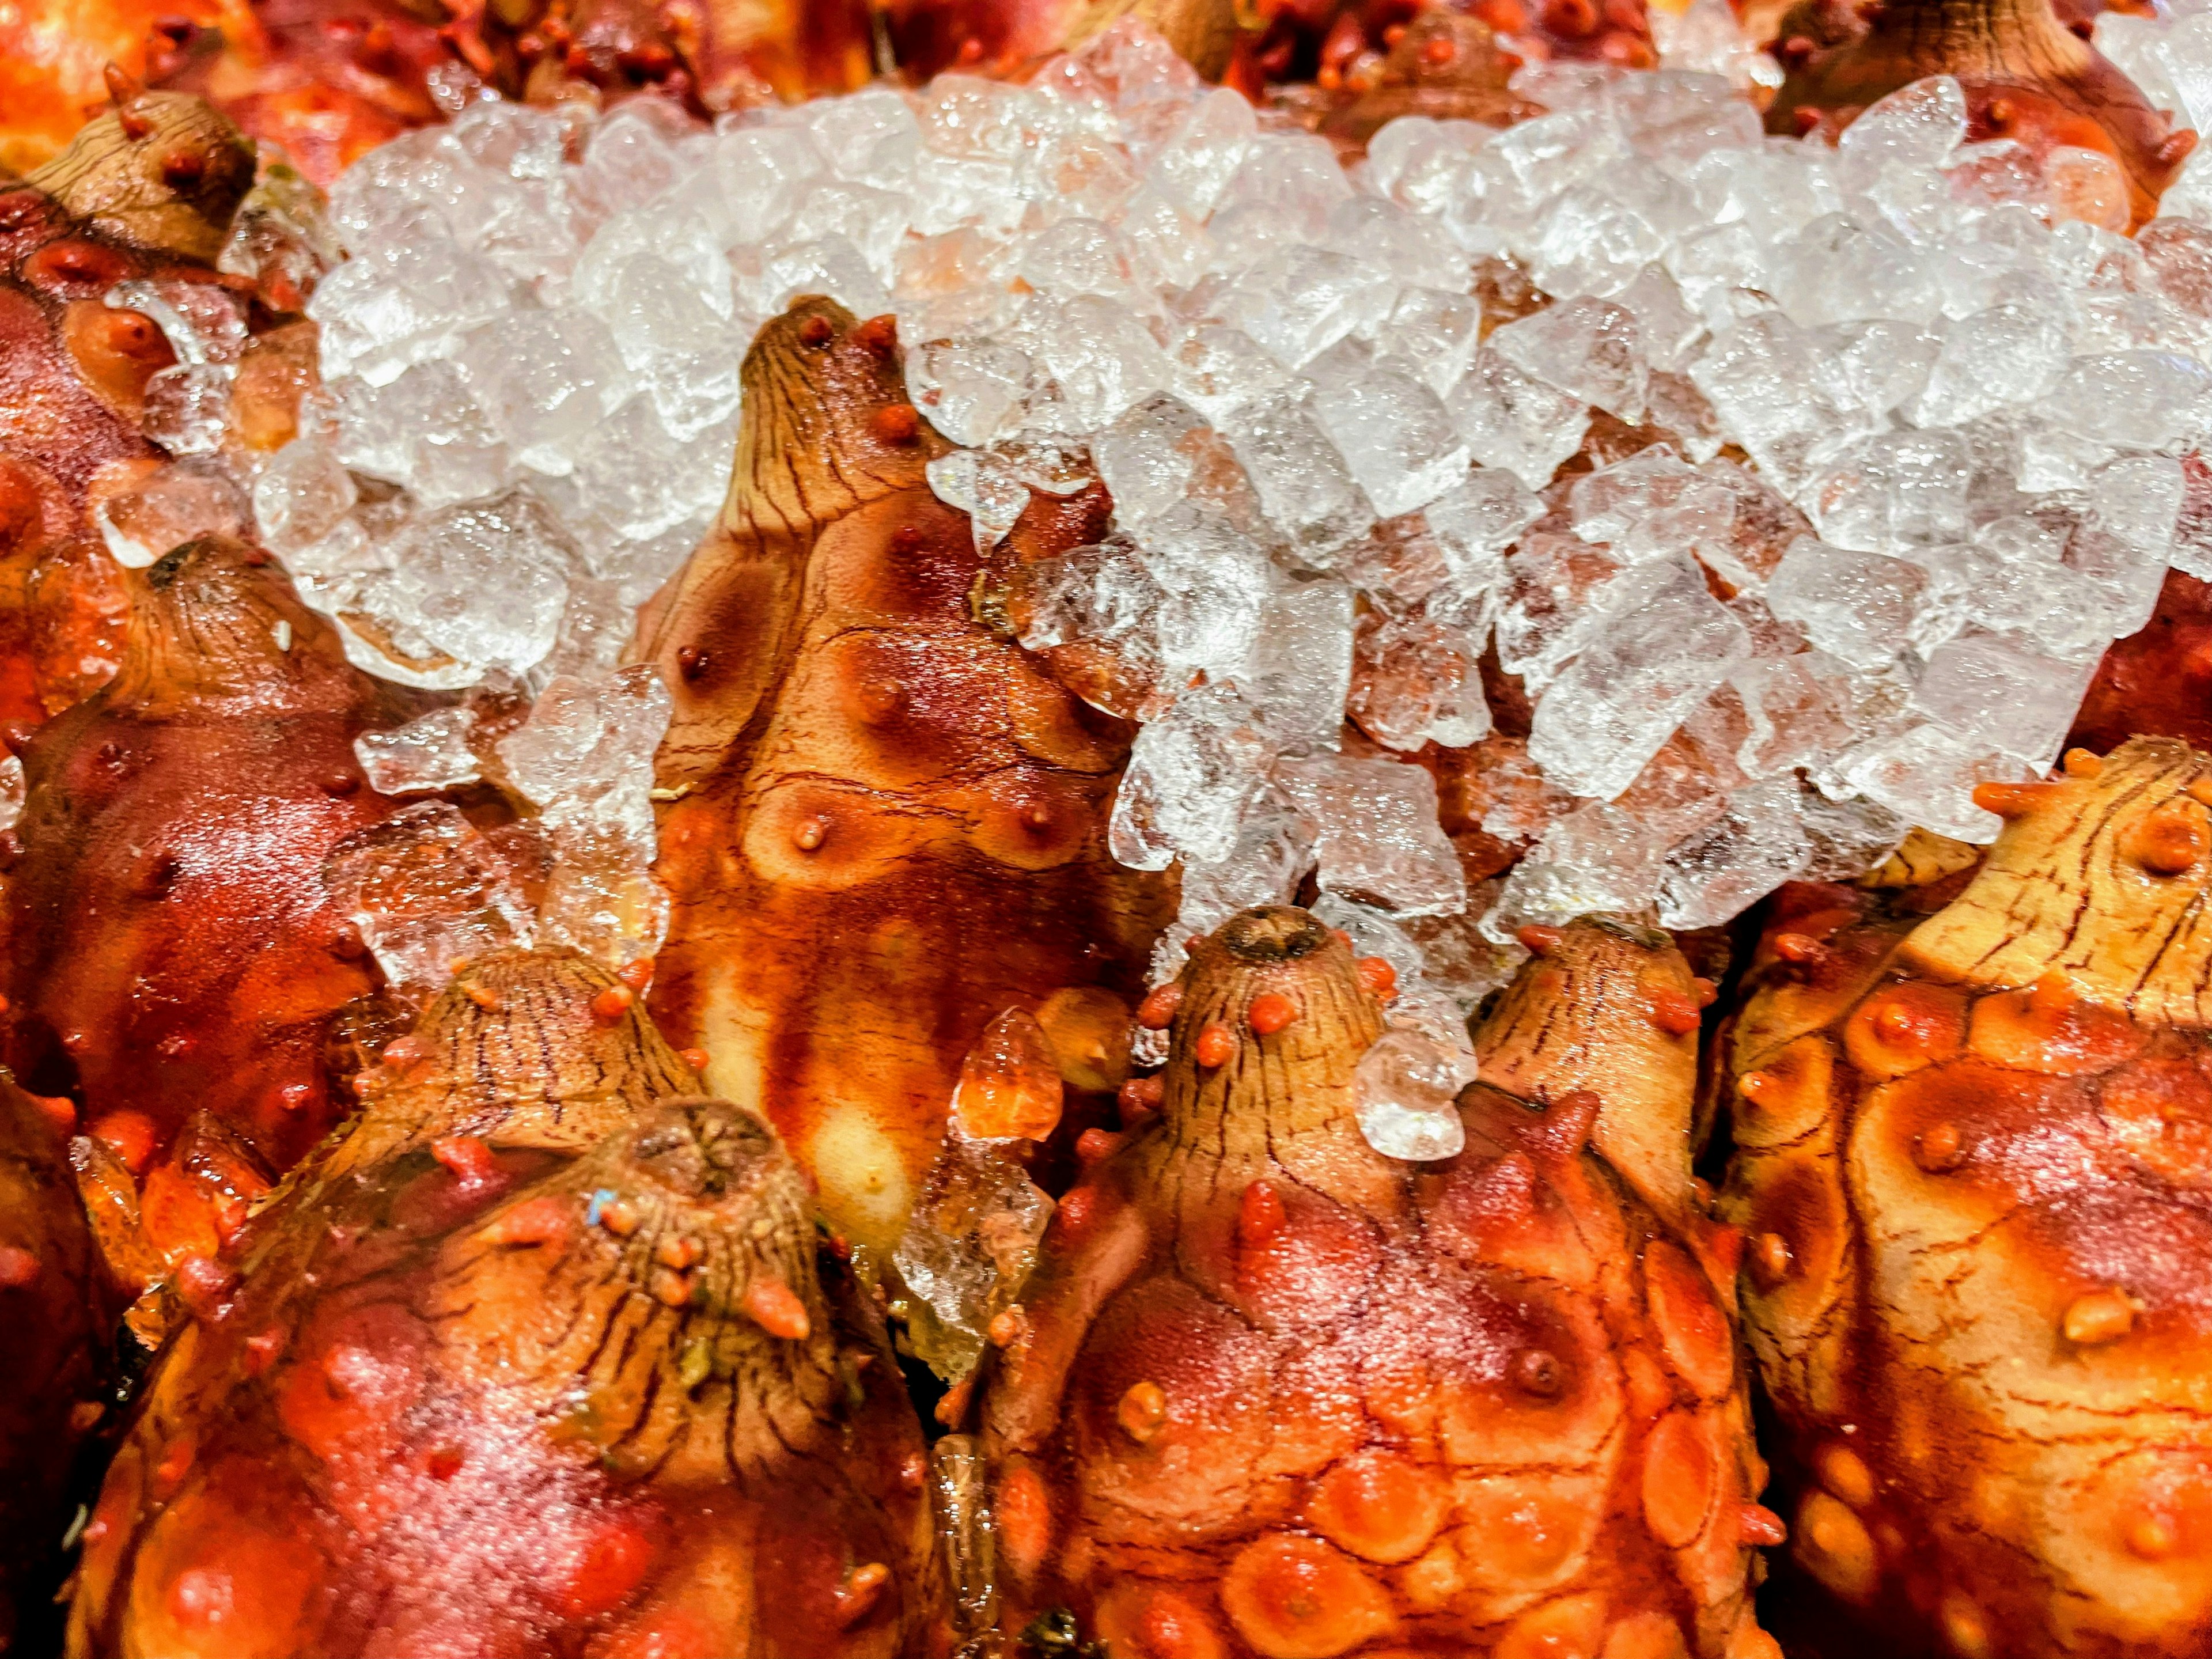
pixel 539 1360
pixel 2025 76
pixel 891 826
pixel 175 960
pixel 146 192
pixel 57 1322
pixel 1278 1395
pixel 1971 1157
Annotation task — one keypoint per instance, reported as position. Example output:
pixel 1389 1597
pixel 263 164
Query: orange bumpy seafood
pixel 891 826
pixel 538 1360
pixel 1971 1157
pixel 57 1323
pixel 2026 77
pixel 1276 1394
pixel 175 959
pixel 146 193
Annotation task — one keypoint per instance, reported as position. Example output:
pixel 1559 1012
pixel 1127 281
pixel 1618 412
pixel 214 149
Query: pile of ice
pixel 1961 394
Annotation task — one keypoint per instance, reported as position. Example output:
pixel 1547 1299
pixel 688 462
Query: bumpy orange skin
pixel 73 373
pixel 488 1386
pixel 174 948
pixel 893 827
pixel 1972 1154
pixel 1444 66
pixel 2026 77
pixel 57 1322
pixel 1280 1395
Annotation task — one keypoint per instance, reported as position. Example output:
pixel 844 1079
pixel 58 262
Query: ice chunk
pixel 1195 166
pixel 1189 777
pixel 1886 494
pixel 1858 606
pixel 640 482
pixel 1511 421
pixel 1476 520
pixel 1273 852
pixel 1395 436
pixel 2012 352
pixel 1770 383
pixel 1418 680
pixel 1606 503
pixel 168 507
pixel 1918 125
pixel 1590 348
pixel 187 409
pixel 1101 354
pixel 430 751
pixel 1375 832
pixel 425 430
pixel 2135 399
pixel 1433 332
pixel 1664 644
pixel 1303 482
pixel 1406 1091
pixel 1299 301
pixel 1794 708
pixel 1729 866
pixel 302 495
pixel 428 892
pixel 545 380
pixel 1146 459
pixel 1927 775
pixel 1216 585
pixel 1997 696
pixel 1218 370
pixel 1553 601
pixel 968 1249
pixel 1301 664
pixel 765 173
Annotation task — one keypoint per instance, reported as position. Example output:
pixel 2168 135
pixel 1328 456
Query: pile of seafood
pixel 1007 830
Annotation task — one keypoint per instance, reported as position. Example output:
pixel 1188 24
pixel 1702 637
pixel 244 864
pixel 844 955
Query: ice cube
pixel 1732 863
pixel 1272 854
pixel 430 751
pixel 1927 775
pixel 640 481
pixel 1998 697
pixel 1405 1090
pixel 302 495
pixel 428 892
pixel 1298 301
pixel 1376 834
pixel 1195 167
pixel 167 508
pixel 546 379
pixel 1100 353
pixel 1417 680
pixel 1395 434
pixel 1770 382
pixel 1606 503
pixel 1303 482
pixel 968 1249
pixel 1301 664
pixel 1918 125
pixel 1858 606
pixel 1794 710
pixel 870 137
pixel 1216 585
pixel 187 409
pixel 1189 777
pixel 2135 399
pixel 829 265
pixel 1476 520
pixel 1434 332
pixel 984 487
pixel 1886 494
pixel 1662 645
pixel 1587 348
pixel 1514 422
pixel 2012 352
pixel 1291 179
pixel 1145 460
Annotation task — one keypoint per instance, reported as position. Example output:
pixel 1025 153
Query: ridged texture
pixel 1972 1157
pixel 1279 1394
pixel 893 822
pixel 539 1360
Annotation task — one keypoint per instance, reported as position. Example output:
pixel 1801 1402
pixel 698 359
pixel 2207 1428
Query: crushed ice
pixel 1926 408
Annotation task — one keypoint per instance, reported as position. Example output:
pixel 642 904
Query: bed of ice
pixel 1962 397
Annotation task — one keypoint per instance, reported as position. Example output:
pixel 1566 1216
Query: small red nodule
pixel 1158 1010
pixel 1673 1011
pixel 1214 1047
pixel 1139 1100
pixel 467 1157
pixel 877 333
pixel 697 1059
pixel 1799 948
pixel 1260 1215
pixel 19 1268
pixel 1093 1144
pixel 637 975
pixel 1757 1524
pixel 776 1309
pixel 896 423
pixel 1377 977
pixel 814 332
pixel 1537 939
pixel 612 1004
pixel 1270 1011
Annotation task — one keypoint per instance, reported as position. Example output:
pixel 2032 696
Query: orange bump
pixel 814 332
pixel 1158 1010
pixel 1836 1547
pixel 896 423
pixel 1758 1526
pixel 877 333
pixel 1706 991
pixel 679 1253
pixel 809 833
pixel 608 1570
pixel 637 975
pixel 129 1135
pixel 1215 1046
pixel 1377 977
pixel 1680 1472
pixel 2012 800
pixel 1771 1258
pixel 1845 1473
pixel 1538 939
pixel 619 1216
pixel 1142 1411
pixel 1139 1100
pixel 697 1059
pixel 1093 1144
pixel 2080 764
pixel 1008 1326
pixel 2100 1317
pixel 1801 949
pixel 468 1158
pixel 1673 1011
pixel 1939 1148
pixel 19 1268
pixel 534 1221
pixel 861 1593
pixel 2154 1537
pixel 612 1003
pixel 2168 840
pixel 201 1595
pixel 773 1307
pixel 1270 1011
pixel 1022 1510
pixel 1260 1214
pixel 483 996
